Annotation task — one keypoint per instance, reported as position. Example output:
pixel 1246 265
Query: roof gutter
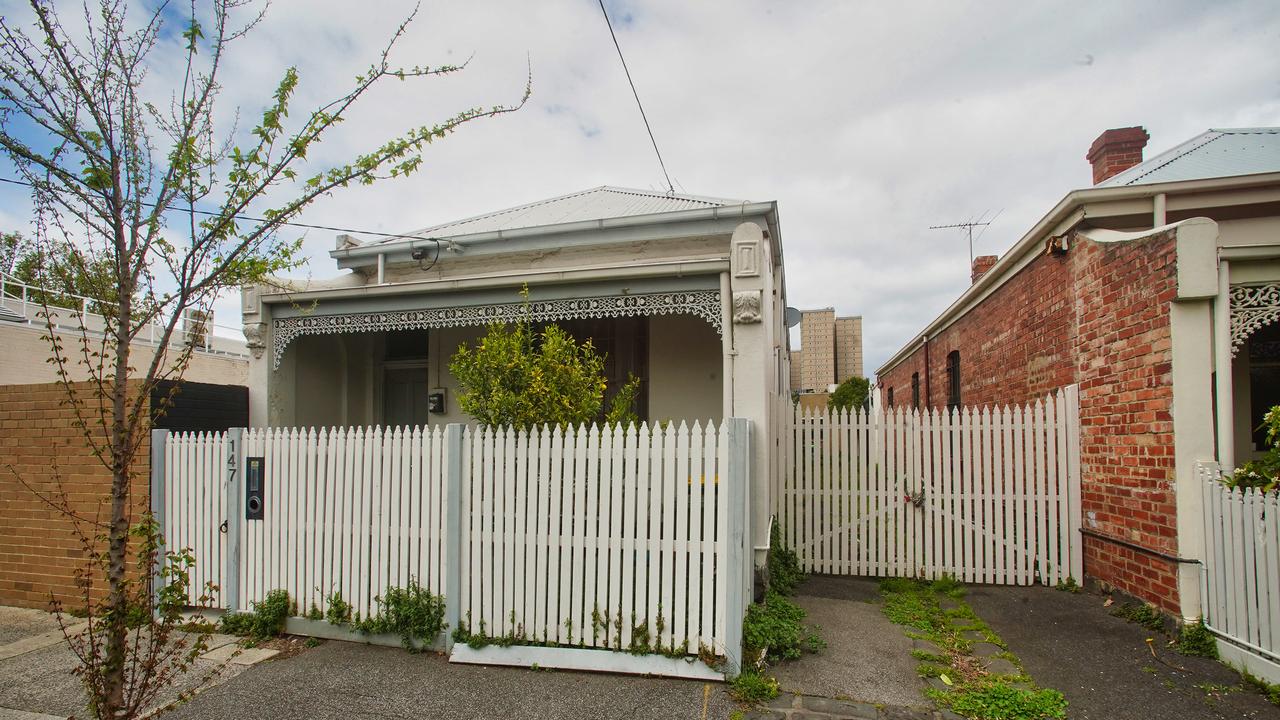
pixel 714 213
pixel 1031 242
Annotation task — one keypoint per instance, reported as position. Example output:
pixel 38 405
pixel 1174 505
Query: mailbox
pixel 254 477
pixel 435 401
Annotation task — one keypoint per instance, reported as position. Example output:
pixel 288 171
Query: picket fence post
pixel 232 499
pixel 451 543
pixel 159 441
pixel 739 560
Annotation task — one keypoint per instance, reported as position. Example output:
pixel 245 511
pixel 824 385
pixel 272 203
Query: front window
pixel 953 379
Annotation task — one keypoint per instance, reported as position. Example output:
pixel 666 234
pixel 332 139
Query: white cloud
pixel 868 122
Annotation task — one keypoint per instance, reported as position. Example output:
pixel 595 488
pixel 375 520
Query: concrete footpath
pixel 36 679
pixel 1103 664
pixel 867 658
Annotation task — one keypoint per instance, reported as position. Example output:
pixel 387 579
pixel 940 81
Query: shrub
pixel 850 395
pixel 753 687
pixel 339 610
pixel 266 620
pixel 1262 473
pixel 775 628
pixel 784 565
pixel 412 612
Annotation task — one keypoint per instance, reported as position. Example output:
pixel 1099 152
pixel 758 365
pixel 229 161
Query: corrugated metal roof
pixel 594 204
pixel 1224 152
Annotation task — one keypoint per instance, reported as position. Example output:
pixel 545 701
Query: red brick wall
pixel 1126 399
pixel 1015 346
pixel 39 552
pixel 1098 316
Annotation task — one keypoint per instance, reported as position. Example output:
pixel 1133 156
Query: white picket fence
pixel 987 495
pixel 1241 577
pixel 598 538
pixel 590 537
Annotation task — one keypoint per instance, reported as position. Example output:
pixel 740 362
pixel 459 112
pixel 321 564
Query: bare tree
pixel 109 169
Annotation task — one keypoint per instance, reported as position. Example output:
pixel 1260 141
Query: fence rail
pixel 988 495
pixel 1241 578
pixel 625 538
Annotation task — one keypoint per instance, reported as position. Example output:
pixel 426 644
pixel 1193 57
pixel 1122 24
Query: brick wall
pixel 39 552
pixel 1014 346
pixel 1098 316
pixel 1126 400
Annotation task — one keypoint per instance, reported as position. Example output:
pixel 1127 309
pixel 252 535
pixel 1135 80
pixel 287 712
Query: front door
pixel 404 396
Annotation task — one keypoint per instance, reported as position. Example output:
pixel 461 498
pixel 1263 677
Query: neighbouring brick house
pixel 1137 289
pixel 44 457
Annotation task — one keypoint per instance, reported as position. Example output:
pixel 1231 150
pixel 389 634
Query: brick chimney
pixel 981 265
pixel 1115 151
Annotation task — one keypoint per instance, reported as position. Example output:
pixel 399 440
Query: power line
pixel 670 188
pixel 249 218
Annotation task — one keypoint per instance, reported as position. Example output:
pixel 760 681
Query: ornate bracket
pixel 704 304
pixel 1252 308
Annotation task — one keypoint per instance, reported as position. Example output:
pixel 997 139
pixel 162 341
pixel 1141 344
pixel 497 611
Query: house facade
pixel 684 292
pixel 1155 291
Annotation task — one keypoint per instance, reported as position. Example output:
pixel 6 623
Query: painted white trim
pixel 1243 659
pixel 584 659
pixel 704 304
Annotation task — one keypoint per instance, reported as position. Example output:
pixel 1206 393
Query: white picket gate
pixel 1241 577
pixel 585 537
pixel 987 495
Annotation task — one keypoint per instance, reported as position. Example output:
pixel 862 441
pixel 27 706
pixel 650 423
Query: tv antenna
pixel 968 226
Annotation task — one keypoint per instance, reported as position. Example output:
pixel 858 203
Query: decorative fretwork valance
pixel 704 304
pixel 1252 308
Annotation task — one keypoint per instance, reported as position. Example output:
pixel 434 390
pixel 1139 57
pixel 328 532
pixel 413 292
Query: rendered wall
pixel 686 369
pixel 24 355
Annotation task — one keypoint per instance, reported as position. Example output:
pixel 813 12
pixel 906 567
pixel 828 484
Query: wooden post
pixel 159 440
pixel 451 552
pixel 234 495
pixel 740 558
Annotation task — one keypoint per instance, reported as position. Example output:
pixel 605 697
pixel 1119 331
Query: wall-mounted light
pixel 1056 245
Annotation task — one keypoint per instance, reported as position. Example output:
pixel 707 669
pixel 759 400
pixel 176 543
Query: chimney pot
pixel 1115 151
pixel 981 265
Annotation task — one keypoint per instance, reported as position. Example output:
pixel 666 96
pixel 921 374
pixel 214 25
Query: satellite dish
pixel 792 317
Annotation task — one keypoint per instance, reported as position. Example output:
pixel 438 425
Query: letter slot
pixel 253 488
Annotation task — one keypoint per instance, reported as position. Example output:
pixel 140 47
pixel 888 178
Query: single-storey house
pixel 685 292
pixel 1157 291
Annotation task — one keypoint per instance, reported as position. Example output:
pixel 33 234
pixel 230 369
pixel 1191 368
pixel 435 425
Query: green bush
pixel 339 610
pixel 266 620
pixel 412 612
pixel 850 395
pixel 1197 641
pixel 753 687
pixel 1263 473
pixel 784 565
pixel 775 628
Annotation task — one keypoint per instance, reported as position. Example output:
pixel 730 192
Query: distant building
pixel 830 351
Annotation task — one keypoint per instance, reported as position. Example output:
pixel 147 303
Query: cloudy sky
pixel 866 121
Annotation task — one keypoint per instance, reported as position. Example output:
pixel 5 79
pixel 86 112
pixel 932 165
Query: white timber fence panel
pixel 188 499
pixel 1241 575
pixel 600 537
pixel 625 538
pixel 987 495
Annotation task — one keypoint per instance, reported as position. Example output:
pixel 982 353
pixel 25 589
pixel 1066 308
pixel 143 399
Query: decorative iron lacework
pixel 1252 308
pixel 704 304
